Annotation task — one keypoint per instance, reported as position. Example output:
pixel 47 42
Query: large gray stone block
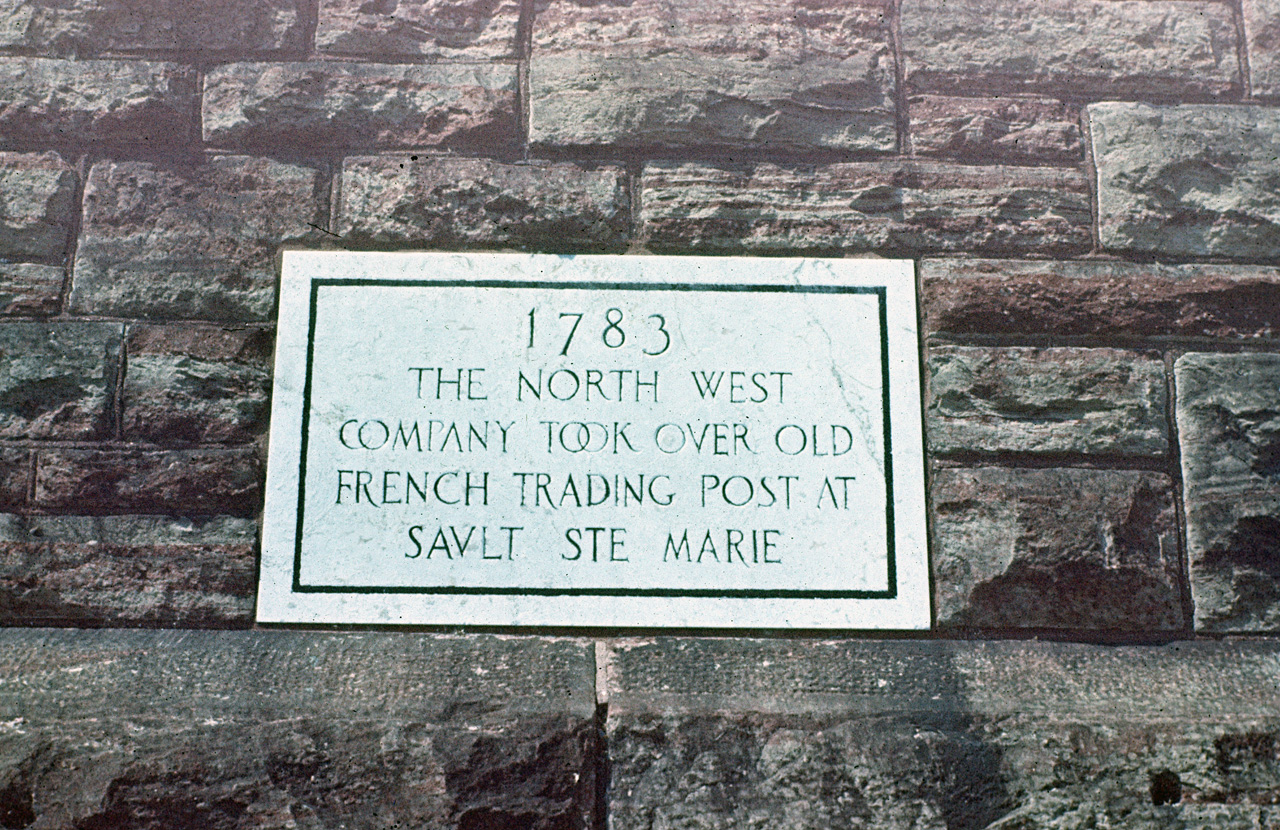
pixel 1229 429
pixel 276 729
pixel 58 380
pixel 1108 299
pixel 461 203
pixel 127 570
pixel 174 240
pixel 447 29
pixel 786 75
pixel 136 102
pixel 91 27
pixel 733 733
pixel 1086 550
pixel 1091 48
pixel 196 383
pixel 37 205
pixel 901 207
pixel 361 105
pixel 1188 180
pixel 1088 401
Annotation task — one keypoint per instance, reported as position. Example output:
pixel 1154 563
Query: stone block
pixel 30 290
pixel 149 481
pixel 731 733
pixel 1111 299
pixel 127 570
pixel 15 476
pixel 361 105
pixel 190 241
pixel 1007 129
pixel 441 29
pixel 1188 180
pixel 197 384
pixel 1084 48
pixel 37 205
pixel 1055 400
pixel 461 203
pixel 95 27
pixel 133 102
pixel 900 207
pixel 277 729
pixel 1262 42
pixel 58 380
pixel 790 75
pixel 1086 550
pixel 1229 430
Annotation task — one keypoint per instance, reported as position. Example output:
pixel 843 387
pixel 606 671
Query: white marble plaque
pixel 604 441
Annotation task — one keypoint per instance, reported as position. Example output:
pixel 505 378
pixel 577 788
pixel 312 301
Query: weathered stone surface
pixel 1126 299
pixel 1095 48
pixel 134 102
pixel 448 202
pixel 37 205
pixel 793 75
pixel 1188 180
pixel 1229 429
pixel 899 207
pixel 1089 401
pixel 30 290
pixel 274 729
pixel 177 241
pixel 92 27
pixel 449 29
pixel 197 383
pixel 1262 42
pixel 1008 129
pixel 122 481
pixel 126 570
pixel 361 105
pixel 15 476
pixel 731 733
pixel 1090 550
pixel 58 380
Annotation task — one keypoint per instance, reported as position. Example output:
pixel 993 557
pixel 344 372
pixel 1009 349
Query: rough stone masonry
pixel 1090 190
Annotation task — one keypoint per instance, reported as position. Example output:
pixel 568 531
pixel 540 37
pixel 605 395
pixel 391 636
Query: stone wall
pixel 1090 188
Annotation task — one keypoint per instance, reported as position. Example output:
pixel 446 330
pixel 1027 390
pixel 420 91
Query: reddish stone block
pixel 131 481
pixel 1007 129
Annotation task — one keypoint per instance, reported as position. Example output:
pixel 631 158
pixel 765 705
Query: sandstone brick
pixel 37 205
pixel 58 380
pixel 1229 429
pixel 1188 180
pixel 130 481
pixel 127 570
pixel 197 384
pixel 278 728
pixel 1008 129
pixel 1091 48
pixel 361 105
pixel 15 476
pixel 806 734
pixel 134 102
pixel 1088 401
pixel 27 289
pixel 94 27
pixel 181 241
pixel 1087 550
pixel 1262 42
pixel 900 207
pixel 445 29
pixel 448 202
pixel 1114 299
pixel 793 75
